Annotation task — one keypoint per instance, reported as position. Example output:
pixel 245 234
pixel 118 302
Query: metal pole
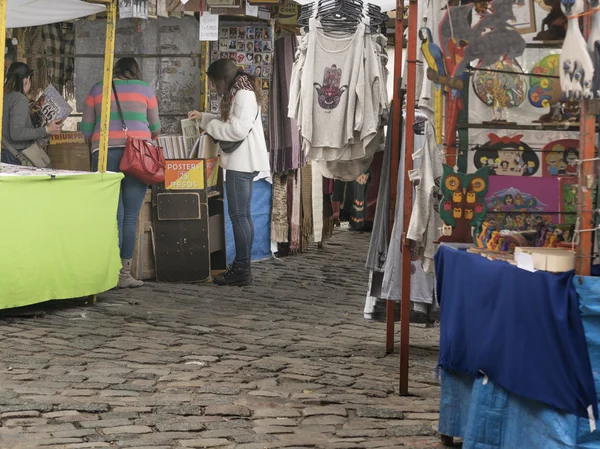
pixel 410 144
pixel 2 45
pixel 109 53
pixel 395 159
pixel 587 136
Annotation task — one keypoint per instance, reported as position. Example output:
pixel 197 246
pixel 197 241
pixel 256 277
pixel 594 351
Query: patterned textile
pixel 279 213
pixel 307 209
pixel 52 49
pixel 285 145
pixel 295 225
pixel 317 203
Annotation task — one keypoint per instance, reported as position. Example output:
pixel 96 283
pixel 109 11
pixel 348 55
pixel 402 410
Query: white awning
pixel 27 13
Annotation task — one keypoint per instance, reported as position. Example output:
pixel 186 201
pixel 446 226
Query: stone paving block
pixel 227 410
pixel 290 353
pixel 326 410
pixel 206 442
pixel 121 430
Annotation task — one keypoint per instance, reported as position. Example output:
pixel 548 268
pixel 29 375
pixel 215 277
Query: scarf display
pixel 52 50
pixel 285 146
pixel 307 207
pixel 279 210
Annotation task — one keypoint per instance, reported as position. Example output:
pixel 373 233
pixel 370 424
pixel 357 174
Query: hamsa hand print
pixel 330 93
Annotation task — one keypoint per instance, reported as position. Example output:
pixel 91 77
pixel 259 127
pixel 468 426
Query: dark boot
pixel 237 275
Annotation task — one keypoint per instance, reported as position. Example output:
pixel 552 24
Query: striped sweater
pixel 140 110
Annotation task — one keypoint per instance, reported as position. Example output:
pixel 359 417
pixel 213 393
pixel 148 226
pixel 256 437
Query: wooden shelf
pixel 531 127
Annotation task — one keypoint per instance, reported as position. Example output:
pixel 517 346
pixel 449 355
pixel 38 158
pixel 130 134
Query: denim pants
pixel 8 158
pixel 239 187
pixel 131 199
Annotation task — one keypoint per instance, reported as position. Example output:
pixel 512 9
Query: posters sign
pixel 184 174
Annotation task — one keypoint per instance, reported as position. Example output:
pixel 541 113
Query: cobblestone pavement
pixel 286 363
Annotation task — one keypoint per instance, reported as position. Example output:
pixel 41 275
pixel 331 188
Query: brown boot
pixel 125 278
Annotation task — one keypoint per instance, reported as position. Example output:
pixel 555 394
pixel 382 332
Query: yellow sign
pixel 184 174
pixel 67 138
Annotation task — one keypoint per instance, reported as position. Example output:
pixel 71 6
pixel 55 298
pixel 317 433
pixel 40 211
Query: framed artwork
pixel 524 11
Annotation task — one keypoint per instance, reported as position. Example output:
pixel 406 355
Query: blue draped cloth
pixel 523 330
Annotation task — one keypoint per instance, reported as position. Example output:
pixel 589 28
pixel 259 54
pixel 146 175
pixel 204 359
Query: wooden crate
pixel 68 151
pixel 143 266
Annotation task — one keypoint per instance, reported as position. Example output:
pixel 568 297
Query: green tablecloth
pixel 58 236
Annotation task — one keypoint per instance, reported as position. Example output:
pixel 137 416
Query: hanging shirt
pixel 335 70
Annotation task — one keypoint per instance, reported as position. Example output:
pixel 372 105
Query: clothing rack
pixel 585 209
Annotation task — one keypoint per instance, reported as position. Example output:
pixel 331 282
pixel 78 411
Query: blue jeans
pixel 131 199
pixel 239 187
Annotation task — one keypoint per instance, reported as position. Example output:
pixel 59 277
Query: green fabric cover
pixel 58 237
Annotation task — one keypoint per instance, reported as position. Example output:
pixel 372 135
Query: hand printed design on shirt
pixel 330 93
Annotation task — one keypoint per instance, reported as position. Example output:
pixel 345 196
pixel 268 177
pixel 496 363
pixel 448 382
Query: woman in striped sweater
pixel 140 111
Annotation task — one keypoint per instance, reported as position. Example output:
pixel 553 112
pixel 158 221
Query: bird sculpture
pixel 435 61
pixel 594 46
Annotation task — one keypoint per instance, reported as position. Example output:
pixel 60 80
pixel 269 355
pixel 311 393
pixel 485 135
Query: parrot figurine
pixel 435 60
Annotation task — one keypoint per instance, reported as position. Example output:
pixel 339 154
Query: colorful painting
pixel 569 188
pixel 545 90
pixel 507 156
pixel 560 158
pixel 498 90
pixel 519 204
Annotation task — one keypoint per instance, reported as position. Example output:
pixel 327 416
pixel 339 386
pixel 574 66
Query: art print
pixel 266 70
pixel 257 47
pixel 250 58
pixel 250 46
pixel 520 204
pixel 267 59
pixel 224 32
pixel 258 58
pixel 241 58
pixel 267 47
pixel 257 71
pixel 223 45
pixel 524 13
pixel 249 33
pixel 232 45
pixel 560 158
pixel 507 156
pixel 569 190
pixel 241 33
pixel 241 46
pixel 233 33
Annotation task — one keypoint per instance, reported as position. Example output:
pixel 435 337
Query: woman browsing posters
pixel 239 121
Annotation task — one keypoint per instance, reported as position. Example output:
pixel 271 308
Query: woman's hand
pixel 194 115
pixel 54 128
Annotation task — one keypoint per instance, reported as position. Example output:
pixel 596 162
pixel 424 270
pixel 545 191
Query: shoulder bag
pixel 141 159
pixel 230 147
pixel 32 156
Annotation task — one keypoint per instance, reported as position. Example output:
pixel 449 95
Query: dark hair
pixel 127 69
pixel 228 72
pixel 16 75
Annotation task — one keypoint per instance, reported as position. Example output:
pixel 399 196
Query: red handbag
pixel 141 159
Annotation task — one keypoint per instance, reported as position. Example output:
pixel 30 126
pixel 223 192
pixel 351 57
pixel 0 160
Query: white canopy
pixel 27 13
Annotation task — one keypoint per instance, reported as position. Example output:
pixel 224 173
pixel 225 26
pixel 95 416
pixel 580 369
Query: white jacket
pixel 244 123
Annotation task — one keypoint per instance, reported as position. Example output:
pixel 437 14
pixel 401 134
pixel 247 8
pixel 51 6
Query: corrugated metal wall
pixel 168 51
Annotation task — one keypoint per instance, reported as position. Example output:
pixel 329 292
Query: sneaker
pixel 236 275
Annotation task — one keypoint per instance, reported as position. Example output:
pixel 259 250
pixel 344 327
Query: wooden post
pixel 204 63
pixel 109 54
pixel 587 139
pixel 2 45
pixel 396 148
pixel 411 83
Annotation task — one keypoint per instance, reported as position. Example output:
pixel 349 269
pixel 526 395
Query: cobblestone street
pixel 289 362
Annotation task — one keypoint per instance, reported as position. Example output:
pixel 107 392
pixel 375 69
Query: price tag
pixel 209 27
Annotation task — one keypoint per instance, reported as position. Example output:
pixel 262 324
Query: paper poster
pixel 209 27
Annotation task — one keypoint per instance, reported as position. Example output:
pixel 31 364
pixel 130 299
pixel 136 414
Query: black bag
pixel 230 147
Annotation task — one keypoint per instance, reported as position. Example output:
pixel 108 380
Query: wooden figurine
pixel 576 66
pixel 554 25
pixel 463 205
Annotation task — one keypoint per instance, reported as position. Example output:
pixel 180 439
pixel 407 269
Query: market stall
pixel 60 238
pixel 511 174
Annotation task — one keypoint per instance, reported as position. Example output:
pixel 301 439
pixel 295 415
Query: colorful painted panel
pixel 520 204
pixel 507 156
pixel 560 158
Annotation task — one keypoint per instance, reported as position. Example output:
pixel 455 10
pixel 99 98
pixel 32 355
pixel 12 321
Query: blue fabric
pixel 522 329
pixel 131 199
pixel 261 216
pixel 489 417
